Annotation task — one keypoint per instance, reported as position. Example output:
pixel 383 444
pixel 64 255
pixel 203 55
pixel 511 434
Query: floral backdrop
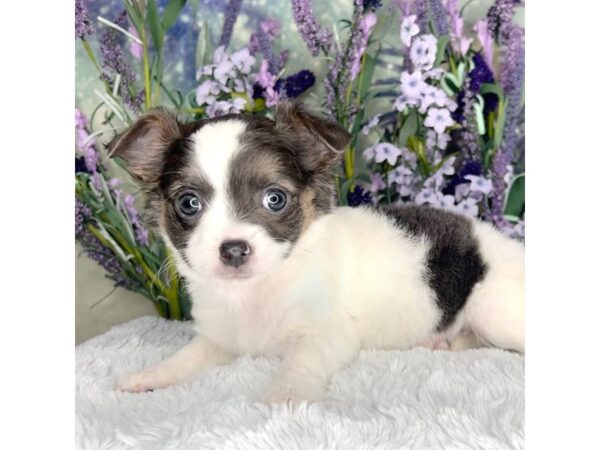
pixel 431 91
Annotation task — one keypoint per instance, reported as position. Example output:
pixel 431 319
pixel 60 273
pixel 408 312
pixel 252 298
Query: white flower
pixel 442 141
pixel 207 92
pixel 447 202
pixel 386 152
pixel 423 51
pixel 243 60
pixel 435 74
pixel 438 119
pixel 428 196
pixel 480 184
pixel 468 207
pixel 448 166
pixel 408 29
pixel 402 102
pixel 411 84
pixel 372 123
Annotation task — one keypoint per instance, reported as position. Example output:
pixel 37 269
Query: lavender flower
pixel 231 14
pixel 485 39
pixel 339 76
pixel 264 44
pixel 97 251
pixel 82 215
pixel 83 24
pixel 500 17
pixel 365 27
pixel 141 233
pixel 438 14
pixel 114 62
pixel 511 78
pixel 358 197
pixel 313 35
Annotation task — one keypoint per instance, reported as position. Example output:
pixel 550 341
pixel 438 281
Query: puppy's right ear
pixel 144 144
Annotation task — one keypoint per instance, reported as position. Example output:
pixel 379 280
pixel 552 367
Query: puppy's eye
pixel 274 199
pixel 188 205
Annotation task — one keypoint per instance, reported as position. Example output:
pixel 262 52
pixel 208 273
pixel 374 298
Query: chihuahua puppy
pixel 247 207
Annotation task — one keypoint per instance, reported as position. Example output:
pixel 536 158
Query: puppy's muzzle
pixel 235 253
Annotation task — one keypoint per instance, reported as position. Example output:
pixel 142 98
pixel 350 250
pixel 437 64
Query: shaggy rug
pixel 417 399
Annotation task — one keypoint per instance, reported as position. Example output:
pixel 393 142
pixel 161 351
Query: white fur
pixel 495 311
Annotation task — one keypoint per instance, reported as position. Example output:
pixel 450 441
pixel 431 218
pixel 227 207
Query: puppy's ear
pixel 144 144
pixel 319 142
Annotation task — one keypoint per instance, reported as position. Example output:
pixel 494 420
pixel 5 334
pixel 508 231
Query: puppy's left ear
pixel 319 142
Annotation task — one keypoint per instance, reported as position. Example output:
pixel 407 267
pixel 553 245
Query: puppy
pixel 247 207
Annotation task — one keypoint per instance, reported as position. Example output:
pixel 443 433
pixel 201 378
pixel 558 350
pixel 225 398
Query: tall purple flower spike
pixel 83 24
pixel 511 78
pixel 315 37
pixel 231 14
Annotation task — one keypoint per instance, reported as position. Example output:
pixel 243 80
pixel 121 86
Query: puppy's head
pixel 232 195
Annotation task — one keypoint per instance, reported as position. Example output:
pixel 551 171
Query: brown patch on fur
pixel 308 202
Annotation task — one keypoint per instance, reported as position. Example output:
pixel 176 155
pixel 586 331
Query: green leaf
pixel 500 121
pixel 135 18
pixel 515 199
pixel 171 13
pixel 409 128
pixel 492 88
pixel 367 75
pixel 204 50
pixel 156 29
pixel 441 49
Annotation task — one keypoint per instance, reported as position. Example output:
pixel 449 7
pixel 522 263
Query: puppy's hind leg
pixel 200 353
pixel 496 315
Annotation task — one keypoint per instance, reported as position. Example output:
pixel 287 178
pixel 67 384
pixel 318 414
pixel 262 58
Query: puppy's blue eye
pixel 188 205
pixel 274 199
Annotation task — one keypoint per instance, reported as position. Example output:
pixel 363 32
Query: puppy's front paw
pixel 142 381
pixel 292 395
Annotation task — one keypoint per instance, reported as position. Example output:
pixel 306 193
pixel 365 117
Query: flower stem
pixel 147 86
pixel 90 53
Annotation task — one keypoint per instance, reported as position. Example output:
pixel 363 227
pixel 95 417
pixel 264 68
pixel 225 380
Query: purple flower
pixel 485 39
pixel 264 44
pixel 297 83
pixel 460 43
pixel 365 27
pixel 114 62
pixel 358 197
pixel 377 183
pixel 372 4
pixel 499 18
pixel 83 24
pixel 313 35
pixel 82 215
pixel 511 78
pixel 141 233
pixel 438 14
pixel 80 166
pixel 231 14
pixel 136 49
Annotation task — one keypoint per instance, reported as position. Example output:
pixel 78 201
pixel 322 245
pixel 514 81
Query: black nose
pixel 234 253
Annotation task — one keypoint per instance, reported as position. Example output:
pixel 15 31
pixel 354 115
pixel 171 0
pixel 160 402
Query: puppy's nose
pixel 234 253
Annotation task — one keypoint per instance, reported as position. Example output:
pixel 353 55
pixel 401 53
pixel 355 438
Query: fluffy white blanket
pixel 417 399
